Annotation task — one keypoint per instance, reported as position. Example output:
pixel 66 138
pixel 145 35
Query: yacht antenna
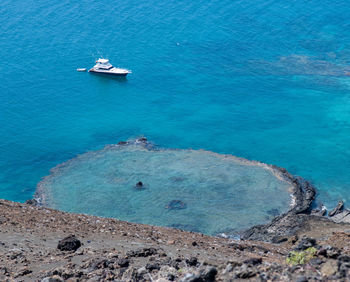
pixel 98 52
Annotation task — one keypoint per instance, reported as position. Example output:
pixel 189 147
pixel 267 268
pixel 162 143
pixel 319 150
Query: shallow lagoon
pixel 194 190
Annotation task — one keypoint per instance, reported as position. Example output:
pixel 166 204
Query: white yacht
pixel 103 66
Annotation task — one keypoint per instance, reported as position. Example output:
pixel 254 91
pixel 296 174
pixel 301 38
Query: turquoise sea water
pixel 262 80
pixel 194 190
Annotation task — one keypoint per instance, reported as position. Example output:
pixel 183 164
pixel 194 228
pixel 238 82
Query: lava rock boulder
pixel 70 243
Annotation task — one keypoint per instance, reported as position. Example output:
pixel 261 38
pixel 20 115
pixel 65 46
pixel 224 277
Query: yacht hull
pixel 108 72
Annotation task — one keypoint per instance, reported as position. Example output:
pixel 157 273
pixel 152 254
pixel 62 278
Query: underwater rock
pixel 139 185
pixel 273 212
pixel 141 140
pixel 177 179
pixel 299 65
pixel 176 205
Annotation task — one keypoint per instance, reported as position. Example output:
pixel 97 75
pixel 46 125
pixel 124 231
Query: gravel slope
pixel 121 251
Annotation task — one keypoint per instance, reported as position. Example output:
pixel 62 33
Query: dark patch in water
pixel 176 179
pixel 139 186
pixel 273 212
pixel 299 65
pixel 176 205
pixel 319 45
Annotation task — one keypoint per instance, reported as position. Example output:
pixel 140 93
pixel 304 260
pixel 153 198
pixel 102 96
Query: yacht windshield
pixel 104 66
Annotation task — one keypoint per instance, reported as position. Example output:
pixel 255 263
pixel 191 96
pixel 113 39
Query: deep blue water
pixel 258 79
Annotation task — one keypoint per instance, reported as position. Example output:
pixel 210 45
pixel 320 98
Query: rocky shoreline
pixel 297 217
pixel 288 223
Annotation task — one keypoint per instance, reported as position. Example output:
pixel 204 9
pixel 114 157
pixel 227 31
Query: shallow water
pixel 262 80
pixel 192 190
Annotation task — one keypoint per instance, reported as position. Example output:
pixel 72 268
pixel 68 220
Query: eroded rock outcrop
pixel 288 223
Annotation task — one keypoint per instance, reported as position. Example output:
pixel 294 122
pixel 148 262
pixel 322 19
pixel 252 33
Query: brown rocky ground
pixel 121 251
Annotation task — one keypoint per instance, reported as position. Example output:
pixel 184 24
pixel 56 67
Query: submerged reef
pixel 199 190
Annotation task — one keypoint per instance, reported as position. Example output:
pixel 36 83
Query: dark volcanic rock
pixel 302 279
pixel 329 252
pixel 123 262
pixel 152 266
pixel 145 252
pixel 104 263
pixel 139 185
pixel 32 202
pixel 305 194
pixel 344 258
pixel 245 272
pixel 70 243
pixel 54 278
pixel 321 211
pixel 315 261
pixel 209 274
pixel 192 261
pixel 205 275
pixel 279 239
pixel 337 209
pixel 305 243
pixel 342 217
pixel 142 139
pixel 23 272
pixel 286 224
pixel 171 277
pixel 253 261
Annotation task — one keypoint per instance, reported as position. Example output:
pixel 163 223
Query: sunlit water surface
pixel 263 80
